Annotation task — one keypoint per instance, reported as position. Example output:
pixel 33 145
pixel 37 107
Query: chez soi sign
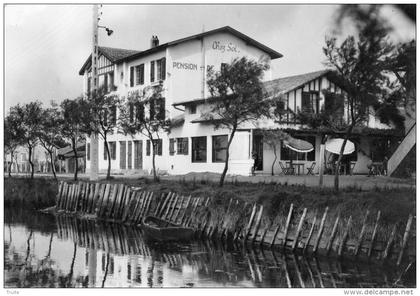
pixel 217 46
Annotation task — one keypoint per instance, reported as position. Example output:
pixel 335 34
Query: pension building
pixel 194 145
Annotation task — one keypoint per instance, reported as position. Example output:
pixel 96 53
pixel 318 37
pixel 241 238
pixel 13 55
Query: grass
pixel 395 204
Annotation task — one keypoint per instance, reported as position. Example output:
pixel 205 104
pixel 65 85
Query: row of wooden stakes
pixel 119 202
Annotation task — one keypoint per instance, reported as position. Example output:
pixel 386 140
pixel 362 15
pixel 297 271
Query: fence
pixel 302 231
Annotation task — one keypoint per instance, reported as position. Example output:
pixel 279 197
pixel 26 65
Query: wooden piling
pixel 251 220
pixel 118 201
pixel 148 205
pixel 390 241
pixel 321 229
pixel 345 235
pixel 273 240
pixel 169 206
pixel 160 203
pixel 372 240
pixel 286 227
pixel 332 236
pixel 185 210
pixel 59 193
pixel 302 219
pixel 405 238
pixel 193 212
pixel 171 213
pixel 181 204
pixel 112 198
pixel 257 226
pixel 362 232
pixel 165 205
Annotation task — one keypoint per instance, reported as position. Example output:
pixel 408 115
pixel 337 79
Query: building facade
pixel 193 144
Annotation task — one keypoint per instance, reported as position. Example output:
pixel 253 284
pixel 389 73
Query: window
pixel 123 154
pixel 131 76
pixel 157 149
pixel 129 155
pixel 219 148
pixel 138 154
pixel 89 85
pixel 88 151
pixel 193 109
pixel 199 149
pixel 223 66
pixel 140 74
pixel 106 82
pixel 171 146
pixel 113 115
pixel 160 109
pixel 289 154
pixel 111 81
pixel 310 102
pixel 112 150
pixel 161 69
pixel 182 146
pixel 152 110
pixel 152 71
pixel 140 112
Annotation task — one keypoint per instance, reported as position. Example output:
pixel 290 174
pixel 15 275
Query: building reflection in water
pixel 82 253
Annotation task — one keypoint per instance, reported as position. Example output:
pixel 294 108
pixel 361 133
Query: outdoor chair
pixel 286 170
pixel 311 169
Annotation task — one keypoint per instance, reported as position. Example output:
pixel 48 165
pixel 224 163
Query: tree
pixel 360 68
pixel 13 136
pixel 72 125
pixel 273 138
pixel 28 118
pixel 134 120
pixel 238 97
pixel 101 118
pixel 49 137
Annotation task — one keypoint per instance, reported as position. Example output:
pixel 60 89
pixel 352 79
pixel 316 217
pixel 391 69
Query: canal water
pixel 42 250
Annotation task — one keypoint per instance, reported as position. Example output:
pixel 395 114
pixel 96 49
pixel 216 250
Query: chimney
pixel 154 41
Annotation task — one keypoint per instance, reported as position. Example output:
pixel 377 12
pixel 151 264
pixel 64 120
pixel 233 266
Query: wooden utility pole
pixel 94 143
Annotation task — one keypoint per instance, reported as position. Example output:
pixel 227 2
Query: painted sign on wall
pixel 227 47
pixel 184 66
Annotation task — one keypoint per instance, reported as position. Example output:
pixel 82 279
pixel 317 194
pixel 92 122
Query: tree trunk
pixel 340 157
pixel 52 164
pixel 108 173
pixel 155 177
pixel 11 163
pixel 274 161
pixel 30 160
pixel 222 177
pixel 73 142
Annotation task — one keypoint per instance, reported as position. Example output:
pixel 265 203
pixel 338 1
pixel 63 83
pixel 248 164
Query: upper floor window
pixel 157 147
pixel 157 109
pixel 158 70
pixel 310 102
pixel 193 109
pixel 140 74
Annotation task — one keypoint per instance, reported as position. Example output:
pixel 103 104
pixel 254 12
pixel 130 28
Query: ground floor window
pixel 130 155
pixel 123 148
pixel 182 146
pixel 157 147
pixel 88 151
pixel 219 148
pixel 138 155
pixel 199 149
pixel 289 154
pixel 112 146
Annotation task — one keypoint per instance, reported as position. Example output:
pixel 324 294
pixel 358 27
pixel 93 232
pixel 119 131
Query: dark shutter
pixel 123 155
pixel 88 151
pixel 140 112
pixel 148 147
pixel 159 148
pixel 152 110
pixel 106 82
pixel 306 102
pixel 152 71
pixel 131 76
pixel 129 154
pixel 142 74
pixel 163 69
pixel 171 146
pixel 105 154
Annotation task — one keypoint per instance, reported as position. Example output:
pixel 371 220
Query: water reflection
pixel 44 251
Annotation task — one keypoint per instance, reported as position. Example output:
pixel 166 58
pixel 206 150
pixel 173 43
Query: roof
pixel 127 56
pixel 280 85
pixel 290 83
pixel 67 152
pixel 111 53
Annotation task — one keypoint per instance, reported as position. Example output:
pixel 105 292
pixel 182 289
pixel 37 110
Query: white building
pixel 194 145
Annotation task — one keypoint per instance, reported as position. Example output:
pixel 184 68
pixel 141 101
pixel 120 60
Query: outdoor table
pixel 297 167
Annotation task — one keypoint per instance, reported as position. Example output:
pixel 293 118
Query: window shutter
pixel 105 154
pixel 152 71
pixel 148 147
pixel 185 148
pixel 88 151
pixel 163 69
pixel 131 76
pixel 142 74
pixel 159 149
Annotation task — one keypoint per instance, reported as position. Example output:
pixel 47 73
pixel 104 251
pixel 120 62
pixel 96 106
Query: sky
pixel 46 45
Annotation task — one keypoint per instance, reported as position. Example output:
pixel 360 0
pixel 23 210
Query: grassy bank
pixel 395 204
pixel 37 193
